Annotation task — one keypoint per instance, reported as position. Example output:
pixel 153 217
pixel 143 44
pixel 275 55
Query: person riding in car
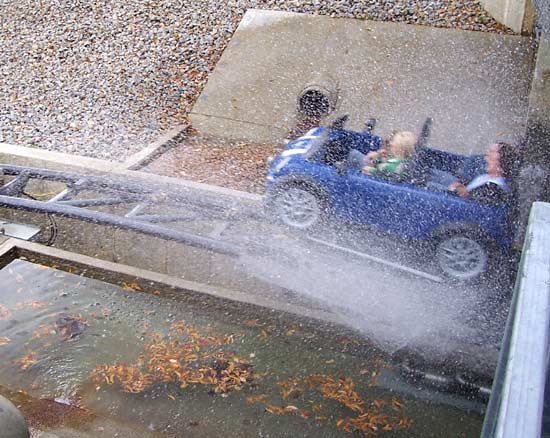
pixel 391 161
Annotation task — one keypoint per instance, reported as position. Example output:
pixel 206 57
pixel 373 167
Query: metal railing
pixel 517 401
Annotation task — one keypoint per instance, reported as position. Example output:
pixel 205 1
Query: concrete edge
pixel 266 16
pixel 154 149
pixel 58 157
pixel 90 165
pixel 12 249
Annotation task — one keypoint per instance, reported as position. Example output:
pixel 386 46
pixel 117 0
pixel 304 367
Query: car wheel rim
pixel 461 257
pixel 298 208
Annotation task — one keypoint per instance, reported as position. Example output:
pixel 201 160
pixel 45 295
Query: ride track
pixel 72 202
pixel 85 193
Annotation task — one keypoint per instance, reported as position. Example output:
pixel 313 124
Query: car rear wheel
pixel 298 207
pixel 461 257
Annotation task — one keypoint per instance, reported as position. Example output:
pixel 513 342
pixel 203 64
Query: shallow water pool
pixel 190 367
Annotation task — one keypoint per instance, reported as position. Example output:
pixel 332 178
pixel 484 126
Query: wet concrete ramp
pixel 474 84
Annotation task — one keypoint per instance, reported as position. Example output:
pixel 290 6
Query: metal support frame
pixel 72 203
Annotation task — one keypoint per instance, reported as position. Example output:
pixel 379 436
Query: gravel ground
pixel 103 78
pixel 237 165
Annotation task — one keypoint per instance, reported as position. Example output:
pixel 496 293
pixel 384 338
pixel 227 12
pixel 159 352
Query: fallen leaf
pixel 274 409
pixel 255 399
pixel 395 404
pixel 4 312
pixel 305 414
pixel 131 286
pixel 27 360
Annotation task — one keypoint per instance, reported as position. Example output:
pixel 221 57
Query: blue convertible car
pixel 316 175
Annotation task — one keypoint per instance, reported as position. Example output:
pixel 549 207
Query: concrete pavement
pixel 474 84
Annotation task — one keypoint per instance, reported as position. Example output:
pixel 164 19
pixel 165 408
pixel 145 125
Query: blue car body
pixel 397 207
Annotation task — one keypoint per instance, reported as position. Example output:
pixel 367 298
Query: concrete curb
pixel 152 151
pixel 14 248
pixel 30 157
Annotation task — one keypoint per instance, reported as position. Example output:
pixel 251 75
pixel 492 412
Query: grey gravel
pixel 104 78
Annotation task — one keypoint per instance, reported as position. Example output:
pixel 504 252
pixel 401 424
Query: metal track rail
pixel 84 193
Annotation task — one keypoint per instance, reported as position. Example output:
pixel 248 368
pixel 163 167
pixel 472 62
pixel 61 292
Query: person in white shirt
pixel 493 187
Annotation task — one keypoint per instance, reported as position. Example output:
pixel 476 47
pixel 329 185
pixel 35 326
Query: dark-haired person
pixel 494 186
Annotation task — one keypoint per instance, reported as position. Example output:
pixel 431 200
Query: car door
pixel 365 199
pixel 395 207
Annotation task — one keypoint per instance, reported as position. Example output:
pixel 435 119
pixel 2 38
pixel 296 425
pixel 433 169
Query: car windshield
pixel 317 144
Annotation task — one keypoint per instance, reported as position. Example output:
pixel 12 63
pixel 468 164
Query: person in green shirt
pixel 391 161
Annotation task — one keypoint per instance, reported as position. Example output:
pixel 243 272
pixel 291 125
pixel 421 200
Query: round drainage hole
pixel 314 103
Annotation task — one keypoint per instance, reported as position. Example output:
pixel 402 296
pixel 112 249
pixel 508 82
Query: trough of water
pixel 171 359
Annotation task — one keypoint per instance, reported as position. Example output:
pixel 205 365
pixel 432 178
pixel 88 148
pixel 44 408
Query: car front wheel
pixel 298 207
pixel 461 257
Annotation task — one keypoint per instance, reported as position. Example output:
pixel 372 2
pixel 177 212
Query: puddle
pixel 193 369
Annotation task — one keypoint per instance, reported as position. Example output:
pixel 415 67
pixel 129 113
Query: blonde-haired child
pixel 391 160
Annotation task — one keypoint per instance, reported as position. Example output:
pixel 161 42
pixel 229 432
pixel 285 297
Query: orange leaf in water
pixel 404 422
pixel 255 399
pixel 305 414
pixel 131 287
pixel 396 405
pixel 251 322
pixel 274 409
pixel 43 331
pixel 317 407
pixel 27 360
pixel 31 304
pixel 4 312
